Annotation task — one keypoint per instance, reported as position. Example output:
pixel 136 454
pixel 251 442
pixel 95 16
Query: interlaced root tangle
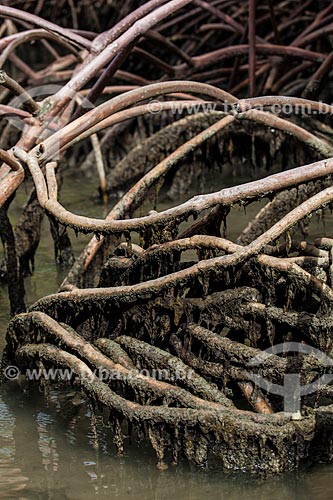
pixel 159 318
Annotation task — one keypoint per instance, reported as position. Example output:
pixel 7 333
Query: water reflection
pixel 49 454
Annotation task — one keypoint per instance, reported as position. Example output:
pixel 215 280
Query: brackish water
pixel 49 451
